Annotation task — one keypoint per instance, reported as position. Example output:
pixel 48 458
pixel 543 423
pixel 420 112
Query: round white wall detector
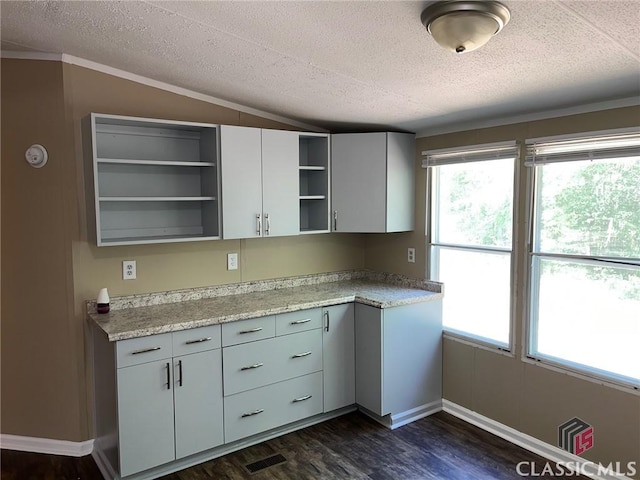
pixel 36 156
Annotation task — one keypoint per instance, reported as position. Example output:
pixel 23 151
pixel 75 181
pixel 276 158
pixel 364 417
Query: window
pixel 471 219
pixel 585 254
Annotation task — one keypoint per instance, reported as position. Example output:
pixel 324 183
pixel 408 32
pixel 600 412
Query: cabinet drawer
pixel 256 364
pixel 142 350
pixel 251 330
pixel 196 340
pixel 299 354
pixel 300 321
pixel 264 408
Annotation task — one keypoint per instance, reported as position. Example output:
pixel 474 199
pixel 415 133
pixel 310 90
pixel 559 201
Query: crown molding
pixel 116 72
pixel 530 117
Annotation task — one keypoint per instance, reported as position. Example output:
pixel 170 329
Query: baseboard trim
pixel 546 450
pixel 393 421
pixel 46 445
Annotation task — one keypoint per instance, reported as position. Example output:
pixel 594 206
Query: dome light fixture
pixel 462 26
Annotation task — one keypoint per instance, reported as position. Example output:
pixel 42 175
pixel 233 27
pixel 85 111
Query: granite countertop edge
pixel 143 315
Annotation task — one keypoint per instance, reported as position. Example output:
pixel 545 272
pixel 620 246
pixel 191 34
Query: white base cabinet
pixel 398 357
pixel 168 398
pixel 338 343
pixel 168 401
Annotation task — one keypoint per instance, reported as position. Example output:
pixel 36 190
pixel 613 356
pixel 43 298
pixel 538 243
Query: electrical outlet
pixel 411 255
pixel 128 269
pixel 232 261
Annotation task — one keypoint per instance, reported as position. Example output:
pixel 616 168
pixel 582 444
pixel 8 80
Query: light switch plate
pixel 232 261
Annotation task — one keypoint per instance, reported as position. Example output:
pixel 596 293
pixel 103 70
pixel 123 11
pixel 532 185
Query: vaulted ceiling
pixel 349 64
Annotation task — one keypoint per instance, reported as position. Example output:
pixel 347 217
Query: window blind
pixel 614 144
pixel 473 153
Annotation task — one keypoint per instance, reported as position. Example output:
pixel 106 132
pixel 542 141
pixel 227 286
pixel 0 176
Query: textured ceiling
pixel 349 64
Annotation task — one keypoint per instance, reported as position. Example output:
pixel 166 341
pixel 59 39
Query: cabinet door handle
pixel 168 376
pixel 180 373
pixel 268 222
pixel 301 399
pixel 259 224
pixel 251 367
pixel 300 355
pixel 251 414
pixel 146 350
pixel 298 322
pixel 200 340
pixel 326 317
pixel 252 330
pixel 335 220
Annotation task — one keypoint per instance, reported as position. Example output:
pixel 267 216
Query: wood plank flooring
pixel 353 446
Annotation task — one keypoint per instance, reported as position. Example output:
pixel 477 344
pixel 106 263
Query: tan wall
pixel 39 341
pixel 529 398
pixel 51 267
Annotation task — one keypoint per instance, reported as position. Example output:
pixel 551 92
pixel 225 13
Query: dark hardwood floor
pixel 350 447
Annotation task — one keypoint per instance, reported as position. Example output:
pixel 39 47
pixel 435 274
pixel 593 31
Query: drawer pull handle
pixel 251 367
pixel 252 330
pixel 302 399
pixel 251 414
pixel 300 355
pixel 146 350
pixel 298 322
pixel 200 340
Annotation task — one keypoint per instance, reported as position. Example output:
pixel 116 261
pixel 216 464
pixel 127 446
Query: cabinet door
pixel 241 181
pixel 338 345
pixel 145 416
pixel 400 182
pixel 412 345
pixel 280 183
pixel 358 182
pixel 369 358
pixel 198 402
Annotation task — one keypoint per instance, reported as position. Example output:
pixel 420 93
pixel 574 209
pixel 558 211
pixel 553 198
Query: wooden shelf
pixel 313 197
pixel 154 180
pixel 313 167
pixel 155 199
pixel 172 163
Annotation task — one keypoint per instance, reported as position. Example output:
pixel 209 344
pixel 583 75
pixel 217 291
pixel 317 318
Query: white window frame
pixel 541 151
pixel 473 154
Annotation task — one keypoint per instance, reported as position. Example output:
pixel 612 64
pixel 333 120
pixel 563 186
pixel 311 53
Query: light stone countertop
pixel 131 322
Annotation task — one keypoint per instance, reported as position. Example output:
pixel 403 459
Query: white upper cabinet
pixel 154 180
pixel 274 182
pixel 314 182
pixel 280 182
pixel 372 182
pixel 241 172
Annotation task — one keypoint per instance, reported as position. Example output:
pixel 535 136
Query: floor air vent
pixel 265 463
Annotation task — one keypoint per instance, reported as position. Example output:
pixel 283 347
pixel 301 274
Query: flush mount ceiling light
pixel 464 26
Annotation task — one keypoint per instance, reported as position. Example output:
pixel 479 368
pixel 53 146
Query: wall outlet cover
pixel 129 270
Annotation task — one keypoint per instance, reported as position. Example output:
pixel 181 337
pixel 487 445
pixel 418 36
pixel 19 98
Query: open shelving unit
pixel 314 183
pixel 155 181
